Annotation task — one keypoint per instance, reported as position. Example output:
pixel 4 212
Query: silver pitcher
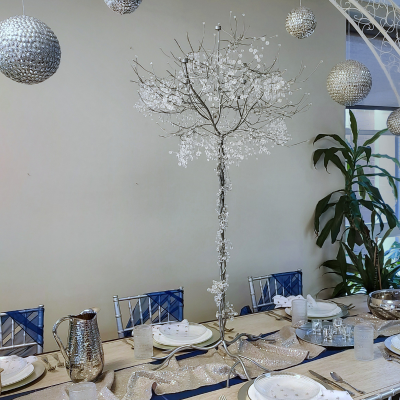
pixel 84 356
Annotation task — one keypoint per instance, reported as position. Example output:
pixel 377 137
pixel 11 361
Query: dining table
pixel 373 377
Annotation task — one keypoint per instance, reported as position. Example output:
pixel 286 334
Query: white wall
pixel 91 202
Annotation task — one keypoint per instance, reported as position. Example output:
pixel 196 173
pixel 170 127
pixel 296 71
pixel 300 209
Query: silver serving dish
pixel 305 333
pixel 385 304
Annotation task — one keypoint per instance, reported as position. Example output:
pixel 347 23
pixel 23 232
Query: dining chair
pixel 283 283
pixel 152 308
pixel 21 332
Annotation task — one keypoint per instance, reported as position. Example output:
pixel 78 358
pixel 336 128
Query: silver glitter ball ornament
pixel 123 6
pixel 29 50
pixel 301 22
pixel 393 122
pixel 349 82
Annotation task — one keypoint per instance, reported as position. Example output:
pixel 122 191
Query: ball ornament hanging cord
pixel 230 104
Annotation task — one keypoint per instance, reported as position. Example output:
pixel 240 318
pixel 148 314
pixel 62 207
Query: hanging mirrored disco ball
pixel 393 122
pixel 123 6
pixel 349 82
pixel 301 22
pixel 29 50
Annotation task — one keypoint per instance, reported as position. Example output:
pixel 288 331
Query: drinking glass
pixel 83 391
pixel 143 338
pixel 364 342
pixel 349 331
pixel 316 325
pixel 299 312
pixel 337 324
pixel 328 332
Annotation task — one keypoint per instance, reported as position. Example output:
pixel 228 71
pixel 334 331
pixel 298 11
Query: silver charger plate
pixel 213 339
pixel 344 313
pixel 305 333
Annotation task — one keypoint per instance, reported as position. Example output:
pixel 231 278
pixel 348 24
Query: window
pixel 373 112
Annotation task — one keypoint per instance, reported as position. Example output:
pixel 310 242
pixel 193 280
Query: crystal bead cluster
pixel 123 6
pixel 393 122
pixel 301 22
pixel 349 82
pixel 29 50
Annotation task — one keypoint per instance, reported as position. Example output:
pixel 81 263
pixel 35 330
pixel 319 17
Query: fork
pixel 131 343
pixel 222 397
pixel 276 315
pixel 48 365
pixel 226 329
pixel 386 355
pixel 60 364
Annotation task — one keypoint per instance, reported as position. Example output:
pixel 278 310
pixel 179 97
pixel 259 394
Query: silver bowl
pixel 385 304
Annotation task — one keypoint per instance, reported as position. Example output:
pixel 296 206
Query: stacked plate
pixel 181 333
pixel 16 369
pixel 322 310
pixel 283 386
pixel 393 344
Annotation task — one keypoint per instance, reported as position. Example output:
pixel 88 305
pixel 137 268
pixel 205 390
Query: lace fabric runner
pixel 381 327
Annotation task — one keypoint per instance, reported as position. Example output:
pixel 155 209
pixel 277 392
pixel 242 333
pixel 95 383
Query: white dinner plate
pixel 190 332
pixel 19 376
pixel 279 385
pixel 244 390
pixel 39 370
pixel 213 339
pixel 343 313
pixel 388 344
pixel 12 366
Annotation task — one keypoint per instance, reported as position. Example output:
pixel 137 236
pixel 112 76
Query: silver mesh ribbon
pixel 349 82
pixel 393 122
pixel 29 50
pixel 123 6
pixel 301 22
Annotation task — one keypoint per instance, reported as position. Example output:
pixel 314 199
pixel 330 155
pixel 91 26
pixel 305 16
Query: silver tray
pixel 305 333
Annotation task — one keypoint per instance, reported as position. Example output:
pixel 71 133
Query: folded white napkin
pixel 12 366
pixel 396 342
pixel 282 301
pixel 314 308
pixel 178 328
pixel 103 387
pixel 159 337
pixel 324 395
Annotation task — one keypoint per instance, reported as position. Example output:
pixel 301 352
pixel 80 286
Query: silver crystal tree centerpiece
pixel 229 103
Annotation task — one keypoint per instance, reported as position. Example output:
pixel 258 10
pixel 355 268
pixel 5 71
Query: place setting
pixel 18 372
pixel 285 385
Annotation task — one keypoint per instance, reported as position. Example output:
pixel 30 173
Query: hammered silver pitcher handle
pixel 58 340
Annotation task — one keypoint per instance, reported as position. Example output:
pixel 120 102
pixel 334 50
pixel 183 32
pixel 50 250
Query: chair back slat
pixel 152 308
pixel 283 283
pixel 21 332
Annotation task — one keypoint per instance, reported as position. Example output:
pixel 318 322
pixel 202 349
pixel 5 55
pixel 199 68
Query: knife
pixel 329 382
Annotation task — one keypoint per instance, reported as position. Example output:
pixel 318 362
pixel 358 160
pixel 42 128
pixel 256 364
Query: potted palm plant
pixel 360 261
